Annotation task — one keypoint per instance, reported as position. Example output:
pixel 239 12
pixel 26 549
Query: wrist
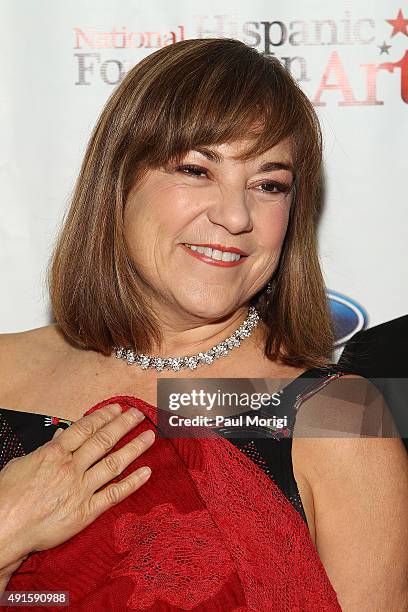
pixel 12 556
pixel 14 547
pixel 6 571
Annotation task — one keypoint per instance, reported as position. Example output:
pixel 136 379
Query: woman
pixel 207 150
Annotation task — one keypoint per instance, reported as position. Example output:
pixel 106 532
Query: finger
pixel 74 436
pixel 116 492
pixel 57 433
pixel 103 440
pixel 114 463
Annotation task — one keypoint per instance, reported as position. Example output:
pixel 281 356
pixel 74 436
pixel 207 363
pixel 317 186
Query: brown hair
pixel 193 92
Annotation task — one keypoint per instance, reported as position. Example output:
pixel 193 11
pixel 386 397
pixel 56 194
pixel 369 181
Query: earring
pixel 269 287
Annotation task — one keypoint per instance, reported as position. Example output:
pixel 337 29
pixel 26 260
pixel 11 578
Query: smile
pixel 213 256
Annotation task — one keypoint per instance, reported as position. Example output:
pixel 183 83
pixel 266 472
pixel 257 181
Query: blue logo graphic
pixel 348 316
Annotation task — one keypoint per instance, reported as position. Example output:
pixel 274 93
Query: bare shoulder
pixel 48 334
pixel 42 339
pixel 24 353
pixel 347 407
pixel 340 427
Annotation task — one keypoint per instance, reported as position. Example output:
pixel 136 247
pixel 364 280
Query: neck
pixel 189 337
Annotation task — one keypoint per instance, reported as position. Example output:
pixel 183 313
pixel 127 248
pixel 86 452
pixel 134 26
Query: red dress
pixel 209 531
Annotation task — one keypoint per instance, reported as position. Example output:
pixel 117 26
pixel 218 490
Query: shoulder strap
pixel 306 385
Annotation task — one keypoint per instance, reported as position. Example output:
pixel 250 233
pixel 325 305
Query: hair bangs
pixel 228 97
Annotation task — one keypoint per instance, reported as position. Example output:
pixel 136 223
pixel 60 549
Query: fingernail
pixel 136 413
pixel 145 472
pixel 147 436
pixel 115 409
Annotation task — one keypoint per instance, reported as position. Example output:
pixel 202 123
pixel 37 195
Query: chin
pixel 207 310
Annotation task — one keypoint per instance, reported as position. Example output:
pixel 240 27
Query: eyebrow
pixel 212 155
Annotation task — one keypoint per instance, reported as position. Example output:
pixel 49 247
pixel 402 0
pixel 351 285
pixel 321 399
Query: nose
pixel 230 209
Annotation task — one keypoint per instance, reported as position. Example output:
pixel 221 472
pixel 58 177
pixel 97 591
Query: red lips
pixel 212 262
pixel 220 247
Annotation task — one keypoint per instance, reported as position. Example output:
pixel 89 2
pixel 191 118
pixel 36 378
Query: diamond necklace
pixel 222 349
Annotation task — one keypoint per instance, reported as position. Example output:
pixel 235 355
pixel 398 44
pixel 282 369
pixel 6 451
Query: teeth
pixel 214 253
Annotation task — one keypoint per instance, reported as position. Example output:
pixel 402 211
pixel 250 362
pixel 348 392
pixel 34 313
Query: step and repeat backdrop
pixel 61 61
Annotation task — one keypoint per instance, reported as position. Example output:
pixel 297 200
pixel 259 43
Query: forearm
pixel 14 540
pixel 7 572
pixel 12 554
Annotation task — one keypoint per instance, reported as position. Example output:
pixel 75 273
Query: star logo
pixel 399 25
pixel 384 48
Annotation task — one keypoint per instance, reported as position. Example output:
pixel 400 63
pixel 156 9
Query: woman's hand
pixel 51 494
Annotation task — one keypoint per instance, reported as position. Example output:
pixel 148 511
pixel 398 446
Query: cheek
pixel 160 210
pixel 273 226
pixel 138 227
pixel 133 231
pixel 142 216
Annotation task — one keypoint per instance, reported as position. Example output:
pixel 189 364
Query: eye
pixel 268 187
pixel 191 170
pixel 275 188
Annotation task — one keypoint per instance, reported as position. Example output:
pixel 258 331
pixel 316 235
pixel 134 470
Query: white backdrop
pixel 61 61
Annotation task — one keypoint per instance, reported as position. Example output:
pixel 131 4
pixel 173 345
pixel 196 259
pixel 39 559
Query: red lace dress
pixel 209 531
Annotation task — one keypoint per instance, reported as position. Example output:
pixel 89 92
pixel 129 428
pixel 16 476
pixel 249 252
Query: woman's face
pixel 209 199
